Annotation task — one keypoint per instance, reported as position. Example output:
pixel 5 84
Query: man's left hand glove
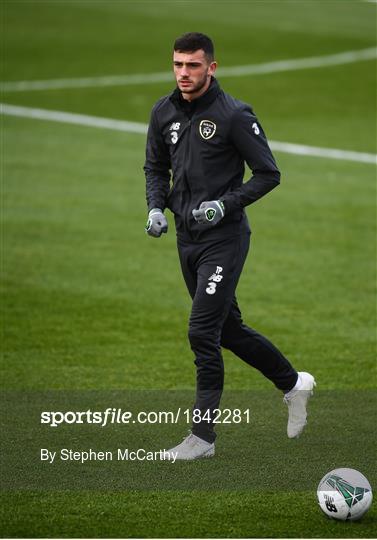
pixel 209 213
pixel 157 223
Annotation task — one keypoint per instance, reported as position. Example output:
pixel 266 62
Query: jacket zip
pixel 185 176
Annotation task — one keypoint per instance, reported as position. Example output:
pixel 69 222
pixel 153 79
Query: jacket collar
pixel 202 101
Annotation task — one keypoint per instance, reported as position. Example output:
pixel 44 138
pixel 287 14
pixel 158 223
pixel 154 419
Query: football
pixel 344 494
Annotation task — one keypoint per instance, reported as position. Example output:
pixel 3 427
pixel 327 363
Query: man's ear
pixel 212 68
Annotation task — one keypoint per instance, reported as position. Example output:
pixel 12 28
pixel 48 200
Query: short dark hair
pixel 193 41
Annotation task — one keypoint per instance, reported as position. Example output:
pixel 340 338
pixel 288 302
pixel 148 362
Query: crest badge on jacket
pixel 207 129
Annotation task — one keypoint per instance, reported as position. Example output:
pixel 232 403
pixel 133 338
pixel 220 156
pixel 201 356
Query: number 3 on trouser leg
pixel 217 277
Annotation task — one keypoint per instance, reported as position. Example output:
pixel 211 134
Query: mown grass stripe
pixel 293 64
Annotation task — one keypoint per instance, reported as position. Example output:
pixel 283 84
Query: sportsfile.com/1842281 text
pixel 119 416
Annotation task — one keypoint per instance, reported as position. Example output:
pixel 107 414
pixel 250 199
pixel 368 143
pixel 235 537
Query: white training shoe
pixel 297 400
pixel 192 447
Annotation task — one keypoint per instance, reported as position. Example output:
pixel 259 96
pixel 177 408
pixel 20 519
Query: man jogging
pixel 204 137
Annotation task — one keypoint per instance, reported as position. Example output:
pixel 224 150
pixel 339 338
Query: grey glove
pixel 157 223
pixel 209 213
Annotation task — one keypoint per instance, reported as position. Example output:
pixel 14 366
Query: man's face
pixel 192 72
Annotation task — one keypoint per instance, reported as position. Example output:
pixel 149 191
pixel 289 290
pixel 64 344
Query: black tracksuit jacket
pixel 205 144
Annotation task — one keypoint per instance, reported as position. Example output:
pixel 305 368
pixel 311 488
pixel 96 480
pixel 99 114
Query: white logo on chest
pixel 207 129
pixel 174 128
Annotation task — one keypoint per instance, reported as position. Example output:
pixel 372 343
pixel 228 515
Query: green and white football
pixel 344 494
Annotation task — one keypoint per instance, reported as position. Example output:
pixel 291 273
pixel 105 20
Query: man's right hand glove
pixel 209 213
pixel 157 223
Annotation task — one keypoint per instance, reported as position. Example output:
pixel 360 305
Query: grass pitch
pixel 90 303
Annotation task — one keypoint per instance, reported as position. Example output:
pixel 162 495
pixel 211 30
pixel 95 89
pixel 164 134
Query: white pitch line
pixel 232 71
pixel 73 118
pixel 136 127
pixel 332 153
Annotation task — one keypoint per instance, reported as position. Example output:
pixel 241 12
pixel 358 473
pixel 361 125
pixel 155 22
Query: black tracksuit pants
pixel 211 271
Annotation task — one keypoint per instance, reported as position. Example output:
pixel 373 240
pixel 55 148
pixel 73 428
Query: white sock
pixel 296 387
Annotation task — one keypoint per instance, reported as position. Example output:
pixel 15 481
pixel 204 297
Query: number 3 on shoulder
pixel 255 128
